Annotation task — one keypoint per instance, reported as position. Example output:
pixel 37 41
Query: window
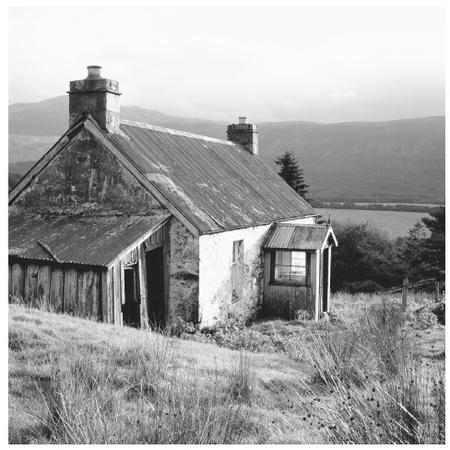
pixel 237 271
pixel 290 267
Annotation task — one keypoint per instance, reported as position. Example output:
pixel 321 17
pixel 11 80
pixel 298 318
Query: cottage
pixel 134 224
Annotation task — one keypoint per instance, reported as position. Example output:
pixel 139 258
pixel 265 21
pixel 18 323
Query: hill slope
pixel 401 160
pixel 76 381
pixel 178 390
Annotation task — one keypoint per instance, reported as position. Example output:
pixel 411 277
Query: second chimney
pixel 97 96
pixel 244 134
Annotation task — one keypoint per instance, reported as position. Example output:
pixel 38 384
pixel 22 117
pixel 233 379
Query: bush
pixel 364 255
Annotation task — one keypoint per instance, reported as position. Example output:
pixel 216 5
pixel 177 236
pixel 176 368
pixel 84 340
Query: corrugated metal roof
pixel 90 240
pixel 297 237
pixel 214 184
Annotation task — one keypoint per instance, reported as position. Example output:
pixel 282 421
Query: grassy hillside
pixel 394 161
pixel 368 376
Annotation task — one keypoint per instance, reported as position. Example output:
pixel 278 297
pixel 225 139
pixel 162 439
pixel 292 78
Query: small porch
pixel 297 275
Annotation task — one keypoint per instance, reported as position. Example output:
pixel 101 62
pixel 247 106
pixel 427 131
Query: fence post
pixel 436 292
pixel 405 293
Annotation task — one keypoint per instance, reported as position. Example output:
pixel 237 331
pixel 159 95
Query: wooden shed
pixel 91 266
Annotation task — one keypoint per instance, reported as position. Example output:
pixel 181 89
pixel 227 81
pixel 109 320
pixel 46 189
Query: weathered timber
pixel 57 289
pixel 110 295
pixel 117 295
pixel 142 273
pixel 95 295
pixel 17 280
pixel 31 282
pixel 70 291
pixel 85 295
pixel 44 283
pixel 104 297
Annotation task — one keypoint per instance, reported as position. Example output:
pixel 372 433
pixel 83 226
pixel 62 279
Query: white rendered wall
pixel 215 252
pixel 304 221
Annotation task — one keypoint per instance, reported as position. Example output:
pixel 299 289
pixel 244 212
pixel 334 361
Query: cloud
pixel 343 94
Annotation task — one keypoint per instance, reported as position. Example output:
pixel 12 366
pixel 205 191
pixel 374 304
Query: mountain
pixel 393 161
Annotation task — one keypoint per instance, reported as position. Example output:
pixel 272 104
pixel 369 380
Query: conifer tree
pixel 291 173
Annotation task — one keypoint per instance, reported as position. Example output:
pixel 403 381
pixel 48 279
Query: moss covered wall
pixel 183 249
pixel 86 176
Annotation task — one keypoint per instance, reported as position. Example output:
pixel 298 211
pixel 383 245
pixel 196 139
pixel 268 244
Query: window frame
pixel 273 281
pixel 235 295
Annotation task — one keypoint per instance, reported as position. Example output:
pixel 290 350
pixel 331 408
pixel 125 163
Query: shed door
pixel 131 309
pixel 237 272
pixel 155 279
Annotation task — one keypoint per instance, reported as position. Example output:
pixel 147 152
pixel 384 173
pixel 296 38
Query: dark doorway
pixel 325 280
pixel 131 309
pixel 155 288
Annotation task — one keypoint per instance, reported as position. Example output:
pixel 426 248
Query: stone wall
pixel 183 250
pixel 86 177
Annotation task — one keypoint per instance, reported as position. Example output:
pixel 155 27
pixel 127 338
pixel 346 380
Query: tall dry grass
pixel 141 396
pixel 369 386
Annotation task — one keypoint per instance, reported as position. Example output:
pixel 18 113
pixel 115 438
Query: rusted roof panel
pixel 297 237
pixel 215 184
pixel 90 240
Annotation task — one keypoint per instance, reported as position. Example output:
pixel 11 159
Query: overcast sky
pixel 271 64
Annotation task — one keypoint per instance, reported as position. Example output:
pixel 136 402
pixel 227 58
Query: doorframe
pixel 165 285
pixel 135 268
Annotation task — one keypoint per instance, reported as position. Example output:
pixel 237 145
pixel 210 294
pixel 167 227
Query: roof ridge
pixel 147 126
pixel 312 225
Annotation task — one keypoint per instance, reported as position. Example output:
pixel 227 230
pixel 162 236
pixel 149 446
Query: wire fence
pixel 407 286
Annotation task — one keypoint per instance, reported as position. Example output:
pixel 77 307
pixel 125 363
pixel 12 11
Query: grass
pixel 372 374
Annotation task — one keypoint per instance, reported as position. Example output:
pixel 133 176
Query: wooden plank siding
pixel 17 287
pixel 87 291
pixel 104 298
pixel 284 300
pixel 72 290
pixel 57 289
pixel 43 283
pixel 110 295
pixel 117 293
pixel 142 273
pixel 31 282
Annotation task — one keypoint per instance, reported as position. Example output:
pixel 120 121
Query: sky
pixel 325 64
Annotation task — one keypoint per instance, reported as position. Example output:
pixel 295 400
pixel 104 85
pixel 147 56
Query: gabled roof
pixel 88 240
pixel 299 237
pixel 214 185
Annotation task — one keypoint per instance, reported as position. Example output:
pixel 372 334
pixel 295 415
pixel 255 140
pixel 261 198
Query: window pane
pixel 298 274
pixel 237 250
pixel 283 258
pixel 298 258
pixel 286 258
pixel 290 266
pixel 282 273
pixel 278 257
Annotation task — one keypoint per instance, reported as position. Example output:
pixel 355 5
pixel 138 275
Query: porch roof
pixel 91 240
pixel 284 236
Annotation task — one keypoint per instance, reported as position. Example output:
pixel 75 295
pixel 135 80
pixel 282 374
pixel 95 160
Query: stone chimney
pixel 244 134
pixel 97 96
